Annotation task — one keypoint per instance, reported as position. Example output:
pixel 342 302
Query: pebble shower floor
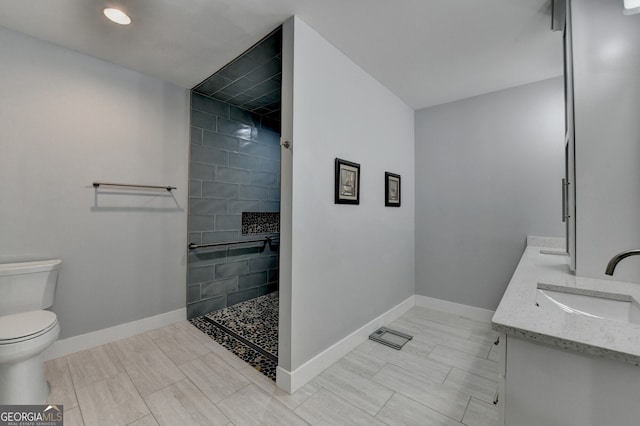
pixel 248 329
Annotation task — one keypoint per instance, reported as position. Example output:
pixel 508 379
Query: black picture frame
pixel 347 182
pixel 392 189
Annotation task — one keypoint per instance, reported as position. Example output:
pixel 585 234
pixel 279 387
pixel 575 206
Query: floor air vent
pixel 389 337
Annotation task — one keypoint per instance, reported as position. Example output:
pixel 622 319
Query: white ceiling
pixel 426 51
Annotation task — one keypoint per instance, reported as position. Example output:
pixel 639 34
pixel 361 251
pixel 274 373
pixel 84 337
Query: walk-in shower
pixel 234 204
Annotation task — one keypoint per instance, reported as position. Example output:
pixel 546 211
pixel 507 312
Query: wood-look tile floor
pixel 177 375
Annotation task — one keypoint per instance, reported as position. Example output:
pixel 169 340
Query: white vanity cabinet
pixel 554 387
pixel 560 366
pixel 501 348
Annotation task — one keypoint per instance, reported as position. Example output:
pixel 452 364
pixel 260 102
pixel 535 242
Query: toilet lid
pixel 24 324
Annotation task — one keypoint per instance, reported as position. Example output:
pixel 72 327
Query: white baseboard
pixel 284 379
pixel 466 311
pixel 100 337
pixel 290 381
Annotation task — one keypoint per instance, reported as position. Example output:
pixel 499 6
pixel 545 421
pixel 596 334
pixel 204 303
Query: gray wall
pixel 349 263
pixel 488 173
pixel 67 120
pixel 234 168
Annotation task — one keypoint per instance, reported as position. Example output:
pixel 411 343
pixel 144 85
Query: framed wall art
pixel 347 182
pixel 391 189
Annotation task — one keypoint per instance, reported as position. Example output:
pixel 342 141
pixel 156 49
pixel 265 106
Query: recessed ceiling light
pixel 117 16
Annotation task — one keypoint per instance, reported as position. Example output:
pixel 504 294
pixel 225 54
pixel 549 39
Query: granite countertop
pixel 518 315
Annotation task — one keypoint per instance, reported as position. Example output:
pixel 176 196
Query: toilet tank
pixel 27 286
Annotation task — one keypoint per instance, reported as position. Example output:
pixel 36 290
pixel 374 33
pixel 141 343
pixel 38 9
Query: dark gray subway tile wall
pixel 234 168
pixel 251 82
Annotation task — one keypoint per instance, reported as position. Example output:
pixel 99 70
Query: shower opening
pixel 234 204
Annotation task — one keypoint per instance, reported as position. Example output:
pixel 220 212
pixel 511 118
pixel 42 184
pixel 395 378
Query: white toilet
pixel 26 329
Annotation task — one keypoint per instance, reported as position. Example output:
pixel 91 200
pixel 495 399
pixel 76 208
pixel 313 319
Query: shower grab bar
pixel 264 241
pixel 128 185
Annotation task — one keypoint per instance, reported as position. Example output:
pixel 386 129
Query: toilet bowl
pixel 26 329
pixel 23 339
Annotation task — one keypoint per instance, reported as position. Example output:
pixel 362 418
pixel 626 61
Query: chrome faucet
pixel 611 266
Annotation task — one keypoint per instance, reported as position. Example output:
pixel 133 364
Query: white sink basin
pixel 596 304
